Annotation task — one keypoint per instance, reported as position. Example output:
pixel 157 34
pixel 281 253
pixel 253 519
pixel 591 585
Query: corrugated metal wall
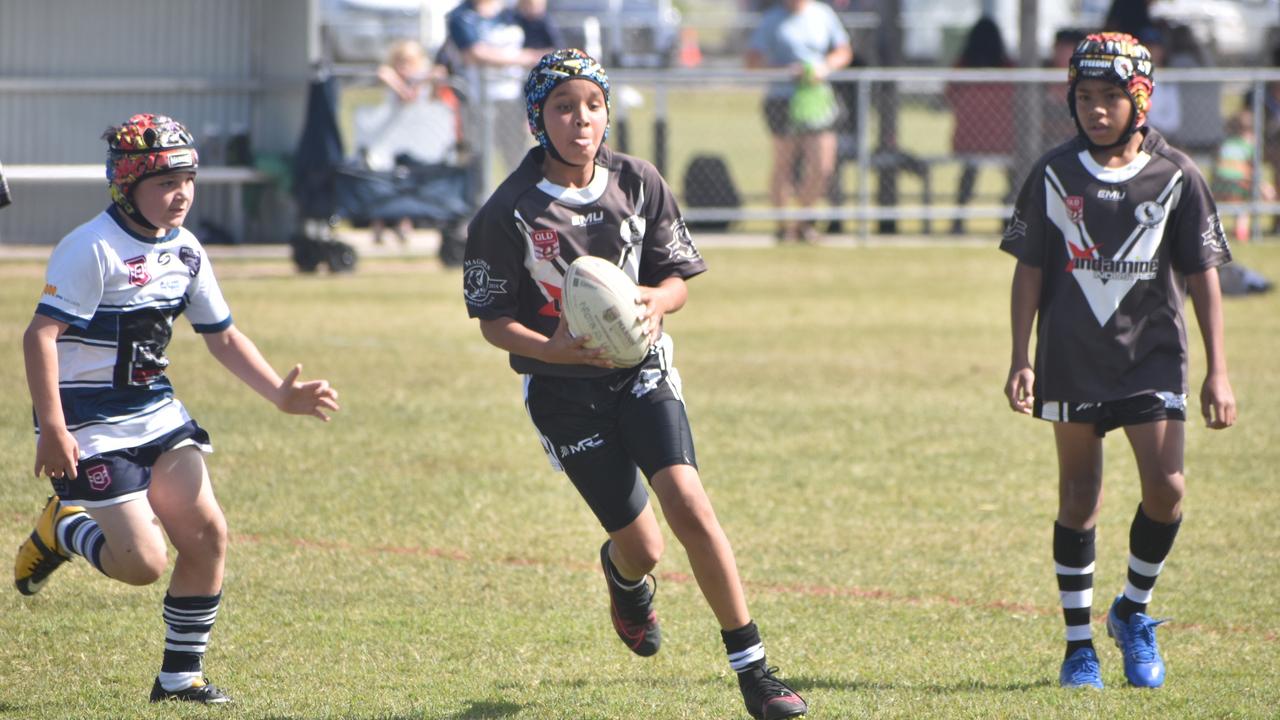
pixel 71 68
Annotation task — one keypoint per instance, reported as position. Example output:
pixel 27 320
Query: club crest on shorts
pixel 546 244
pixel 99 477
pixel 1075 208
pixel 138 274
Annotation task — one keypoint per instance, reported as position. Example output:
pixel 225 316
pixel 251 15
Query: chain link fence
pixel 927 151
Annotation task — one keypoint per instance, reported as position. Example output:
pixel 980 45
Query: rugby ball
pixel 599 300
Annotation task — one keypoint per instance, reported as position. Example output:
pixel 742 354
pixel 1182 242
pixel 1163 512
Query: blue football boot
pixel 1081 670
pixel 1136 639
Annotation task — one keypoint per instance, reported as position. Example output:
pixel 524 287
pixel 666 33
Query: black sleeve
pixel 1198 242
pixel 1024 234
pixel 668 247
pixel 492 268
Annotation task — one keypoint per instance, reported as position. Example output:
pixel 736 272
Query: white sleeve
pixel 206 308
pixel 73 281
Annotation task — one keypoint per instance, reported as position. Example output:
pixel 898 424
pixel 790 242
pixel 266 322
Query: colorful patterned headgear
pixel 143 146
pixel 554 68
pixel 1121 60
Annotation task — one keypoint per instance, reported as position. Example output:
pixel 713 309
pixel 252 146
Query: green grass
pixel 416 558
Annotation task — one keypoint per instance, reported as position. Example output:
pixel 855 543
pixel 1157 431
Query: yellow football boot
pixel 40 555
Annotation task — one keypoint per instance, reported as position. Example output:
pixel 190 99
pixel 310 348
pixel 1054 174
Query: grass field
pixel 416 558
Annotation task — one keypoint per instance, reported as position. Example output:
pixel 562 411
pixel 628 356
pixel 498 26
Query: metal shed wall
pixel 71 68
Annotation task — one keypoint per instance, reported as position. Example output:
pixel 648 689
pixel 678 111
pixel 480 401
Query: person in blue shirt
pixel 807 39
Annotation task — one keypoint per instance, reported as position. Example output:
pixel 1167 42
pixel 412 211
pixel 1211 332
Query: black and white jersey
pixel 1113 245
pixel 523 239
pixel 119 293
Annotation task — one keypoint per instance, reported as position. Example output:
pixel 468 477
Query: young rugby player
pixel 574 196
pixel 124 457
pixel 1111 230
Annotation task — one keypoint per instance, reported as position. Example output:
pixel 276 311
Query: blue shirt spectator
pixel 787 38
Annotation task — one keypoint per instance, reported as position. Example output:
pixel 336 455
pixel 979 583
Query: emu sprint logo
pixel 591 218
pixel 582 445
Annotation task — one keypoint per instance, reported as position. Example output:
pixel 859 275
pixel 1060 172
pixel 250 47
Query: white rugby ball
pixel 599 300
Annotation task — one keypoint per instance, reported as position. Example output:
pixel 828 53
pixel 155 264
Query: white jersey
pixel 119 293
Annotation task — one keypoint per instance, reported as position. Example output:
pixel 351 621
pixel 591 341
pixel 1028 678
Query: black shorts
pixel 115 477
pixel 777 115
pixel 1106 416
pixel 599 431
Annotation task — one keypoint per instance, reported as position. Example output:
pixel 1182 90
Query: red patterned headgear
pixel 1117 58
pixel 143 146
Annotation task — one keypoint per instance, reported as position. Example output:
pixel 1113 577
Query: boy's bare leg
pixel 1079 474
pixel 1158 449
pixel 135 550
pixel 182 498
pixel 689 513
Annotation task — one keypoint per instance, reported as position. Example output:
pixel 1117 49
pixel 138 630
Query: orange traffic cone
pixel 690 54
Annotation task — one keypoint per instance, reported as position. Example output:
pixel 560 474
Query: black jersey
pixel 523 239
pixel 1113 245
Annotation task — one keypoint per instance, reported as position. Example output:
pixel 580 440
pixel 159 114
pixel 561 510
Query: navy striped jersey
pixel 521 242
pixel 119 293
pixel 1114 245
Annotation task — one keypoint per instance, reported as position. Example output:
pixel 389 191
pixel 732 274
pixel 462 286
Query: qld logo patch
pixel 138 274
pixel 99 477
pixel 1075 208
pixel 546 244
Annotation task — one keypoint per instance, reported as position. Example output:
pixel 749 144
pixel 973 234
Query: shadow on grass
pixel 487 710
pixel 477 710
pixel 803 684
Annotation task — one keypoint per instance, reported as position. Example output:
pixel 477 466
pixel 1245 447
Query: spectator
pixel 539 30
pixel 807 39
pixel 983 122
pixel 1056 123
pixel 1271 122
pixel 410 79
pixel 488 34
pixel 1201 127
pixel 1166 115
pixel 1233 176
pixel 1129 16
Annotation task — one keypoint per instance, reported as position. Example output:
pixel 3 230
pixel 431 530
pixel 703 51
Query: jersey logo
pixel 478 287
pixel 1015 229
pixel 1075 208
pixel 138 274
pixel 592 218
pixel 1213 236
pixel 681 247
pixel 99 477
pixel 546 244
pixel 191 259
pixel 1105 281
pixel 582 445
pixel 1149 214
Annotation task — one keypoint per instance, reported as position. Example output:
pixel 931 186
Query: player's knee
pixel 209 539
pixel 1162 501
pixel 143 567
pixel 643 556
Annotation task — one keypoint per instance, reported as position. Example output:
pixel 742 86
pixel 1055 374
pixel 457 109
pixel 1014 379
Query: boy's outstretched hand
pixel 306 398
